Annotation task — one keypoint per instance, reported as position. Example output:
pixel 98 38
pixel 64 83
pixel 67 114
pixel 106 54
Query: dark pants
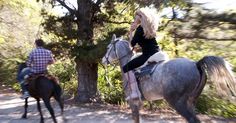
pixel 136 62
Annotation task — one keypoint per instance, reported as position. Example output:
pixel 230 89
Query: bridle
pixel 117 56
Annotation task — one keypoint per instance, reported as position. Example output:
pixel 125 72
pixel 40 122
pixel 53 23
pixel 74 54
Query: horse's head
pixel 116 50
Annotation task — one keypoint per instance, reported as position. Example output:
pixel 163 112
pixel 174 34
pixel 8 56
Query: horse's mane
pixel 120 39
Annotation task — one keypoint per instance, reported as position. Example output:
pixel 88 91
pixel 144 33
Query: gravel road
pixel 11 109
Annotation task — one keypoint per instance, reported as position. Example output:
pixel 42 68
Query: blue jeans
pixel 21 77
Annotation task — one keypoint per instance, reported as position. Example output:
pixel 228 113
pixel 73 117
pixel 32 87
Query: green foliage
pixel 18 32
pixel 214 106
pixel 166 44
pixel 95 52
pixel 206 104
pixel 8 72
pixel 114 17
pixel 64 70
pixel 111 89
pixel 159 4
pixel 155 105
pixel 16 86
pixel 19 22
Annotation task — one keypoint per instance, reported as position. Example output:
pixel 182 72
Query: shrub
pixel 110 85
pixel 66 74
pixel 212 105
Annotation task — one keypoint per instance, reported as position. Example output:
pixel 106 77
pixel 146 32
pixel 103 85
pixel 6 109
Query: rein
pixel 118 58
pixel 114 65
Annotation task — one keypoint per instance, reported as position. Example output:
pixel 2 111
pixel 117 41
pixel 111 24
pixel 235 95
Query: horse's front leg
pixel 135 106
pixel 26 107
pixel 39 109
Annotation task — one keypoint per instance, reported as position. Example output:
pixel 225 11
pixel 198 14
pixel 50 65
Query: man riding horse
pixel 37 63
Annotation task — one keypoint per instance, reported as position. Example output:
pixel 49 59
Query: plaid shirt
pixel 39 59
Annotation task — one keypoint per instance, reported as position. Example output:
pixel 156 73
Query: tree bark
pixel 87 81
pixel 87 70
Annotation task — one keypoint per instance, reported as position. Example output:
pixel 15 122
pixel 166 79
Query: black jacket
pixel 149 46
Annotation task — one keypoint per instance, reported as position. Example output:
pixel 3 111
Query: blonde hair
pixel 149 21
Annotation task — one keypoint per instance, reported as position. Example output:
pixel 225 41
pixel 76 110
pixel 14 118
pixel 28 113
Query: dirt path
pixel 11 109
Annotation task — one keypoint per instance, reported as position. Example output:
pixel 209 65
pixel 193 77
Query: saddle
pixel 145 71
pixel 31 83
pixel 33 77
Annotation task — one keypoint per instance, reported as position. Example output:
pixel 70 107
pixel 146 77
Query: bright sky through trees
pixel 216 5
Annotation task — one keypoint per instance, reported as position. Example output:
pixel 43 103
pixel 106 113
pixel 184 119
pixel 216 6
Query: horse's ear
pixel 113 38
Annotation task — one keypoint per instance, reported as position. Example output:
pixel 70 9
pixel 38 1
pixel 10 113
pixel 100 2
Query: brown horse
pixel 43 88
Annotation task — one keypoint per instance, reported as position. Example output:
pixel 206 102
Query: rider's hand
pixel 133 26
pixel 137 49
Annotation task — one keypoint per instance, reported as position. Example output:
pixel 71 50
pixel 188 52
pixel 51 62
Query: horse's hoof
pixel 23 117
pixel 41 120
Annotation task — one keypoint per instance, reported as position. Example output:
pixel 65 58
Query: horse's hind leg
pixel 49 107
pixel 60 101
pixel 40 111
pixel 26 107
pixel 180 105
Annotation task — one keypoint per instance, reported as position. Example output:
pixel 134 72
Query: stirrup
pixel 129 98
pixel 132 97
pixel 25 95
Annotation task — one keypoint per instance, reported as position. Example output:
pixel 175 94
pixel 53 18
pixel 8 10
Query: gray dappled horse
pixel 179 81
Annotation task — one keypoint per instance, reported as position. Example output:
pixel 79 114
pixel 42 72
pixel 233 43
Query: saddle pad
pixel 146 71
pixel 35 76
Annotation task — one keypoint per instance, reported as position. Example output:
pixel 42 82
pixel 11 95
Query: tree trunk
pixel 87 81
pixel 86 70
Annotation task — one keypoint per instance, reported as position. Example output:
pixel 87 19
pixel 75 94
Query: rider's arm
pixel 137 36
pixel 51 59
pixel 30 60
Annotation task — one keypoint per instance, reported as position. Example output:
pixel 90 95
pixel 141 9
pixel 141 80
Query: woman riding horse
pixel 145 24
pixel 179 81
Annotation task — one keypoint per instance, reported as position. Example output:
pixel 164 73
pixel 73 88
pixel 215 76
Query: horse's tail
pixel 58 95
pixel 219 73
pixel 57 89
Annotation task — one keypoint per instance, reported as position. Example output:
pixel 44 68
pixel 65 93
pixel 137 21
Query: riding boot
pixel 132 82
pixel 25 93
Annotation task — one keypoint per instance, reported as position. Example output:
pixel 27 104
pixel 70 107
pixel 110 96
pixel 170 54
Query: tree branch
pixel 173 17
pixel 117 22
pixel 99 2
pixel 184 36
pixel 225 17
pixel 72 11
